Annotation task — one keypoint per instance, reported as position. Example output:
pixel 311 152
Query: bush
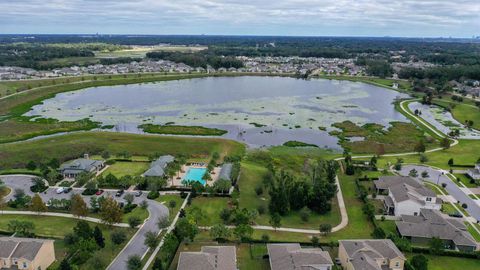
pixel 129 207
pixel 259 190
pixel 261 209
pixel 152 195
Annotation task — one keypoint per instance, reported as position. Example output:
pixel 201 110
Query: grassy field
pixel 465 180
pixel 211 208
pixel 182 130
pixel 404 86
pixel 165 199
pixel 140 52
pixel 400 137
pixel 66 147
pixel 121 168
pixel 461 111
pixel 473 232
pixel 450 263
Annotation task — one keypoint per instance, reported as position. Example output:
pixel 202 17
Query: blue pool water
pixel 195 174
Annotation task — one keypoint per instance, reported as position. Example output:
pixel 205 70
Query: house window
pixel 415 213
pixel 429 199
pixel 24 265
pixel 397 264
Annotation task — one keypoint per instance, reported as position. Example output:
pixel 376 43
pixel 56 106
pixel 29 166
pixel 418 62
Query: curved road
pixel 136 244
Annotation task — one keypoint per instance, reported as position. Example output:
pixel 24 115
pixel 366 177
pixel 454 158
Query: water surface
pixel 283 108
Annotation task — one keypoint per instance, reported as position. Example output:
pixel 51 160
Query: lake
pixel 260 111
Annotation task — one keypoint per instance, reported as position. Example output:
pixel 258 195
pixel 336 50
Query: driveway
pixel 436 175
pixel 136 244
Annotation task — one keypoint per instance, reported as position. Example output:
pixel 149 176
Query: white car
pixel 60 190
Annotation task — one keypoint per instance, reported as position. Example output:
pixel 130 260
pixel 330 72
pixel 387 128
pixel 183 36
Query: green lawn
pixel 436 188
pixel 449 263
pixel 142 214
pixel 473 232
pixel 121 168
pixel 465 180
pixel 182 130
pixel 70 146
pixel 461 111
pixel 448 208
pixel 211 208
pixel 165 199
pixel 388 226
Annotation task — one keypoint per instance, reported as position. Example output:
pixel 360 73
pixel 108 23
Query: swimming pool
pixel 195 174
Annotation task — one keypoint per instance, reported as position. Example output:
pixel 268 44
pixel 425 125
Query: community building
pixel 81 165
pixel 157 167
pixel 431 223
pixel 209 258
pixel 406 196
pixel 26 253
pixel 381 254
pixel 293 256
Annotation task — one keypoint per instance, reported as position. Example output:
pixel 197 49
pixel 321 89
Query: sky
pixel 401 18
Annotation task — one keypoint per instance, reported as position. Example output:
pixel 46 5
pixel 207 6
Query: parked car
pixel 337 261
pixel 455 214
pixel 99 192
pixel 67 190
pixel 119 193
pixel 60 190
pixel 138 193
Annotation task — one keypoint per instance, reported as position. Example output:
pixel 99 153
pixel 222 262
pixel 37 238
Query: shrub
pixel 152 195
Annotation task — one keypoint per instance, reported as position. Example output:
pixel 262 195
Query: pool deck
pixel 181 174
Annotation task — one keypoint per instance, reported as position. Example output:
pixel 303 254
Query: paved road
pixel 136 244
pixel 436 175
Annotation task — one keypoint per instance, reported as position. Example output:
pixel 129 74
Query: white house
pixel 475 172
pixel 406 196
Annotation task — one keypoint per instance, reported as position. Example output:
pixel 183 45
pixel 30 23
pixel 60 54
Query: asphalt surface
pixel 436 177
pixel 136 244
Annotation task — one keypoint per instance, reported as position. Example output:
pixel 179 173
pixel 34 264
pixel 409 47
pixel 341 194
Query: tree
pixel 450 162
pixel 105 154
pixel 186 229
pixel 445 143
pixel 305 214
pixel 222 186
pixel 378 233
pixel 151 239
pixel 31 165
pixel 37 204
pixel 83 230
pixel 420 147
pixel 220 232
pixel 425 174
pixel 275 220
pixel 21 228
pixel 129 198
pixel 163 222
pixel 65 265
pixel 325 228
pixel 265 238
pixel 225 215
pixel 423 158
pixel 413 173
pixel 243 232
pixel 38 185
pixel 419 262
pixel 118 237
pixel 98 236
pixel 315 241
pixel 110 211
pixel 134 221
pixel 134 262
pixel 436 246
pixel 78 206
pixel 157 264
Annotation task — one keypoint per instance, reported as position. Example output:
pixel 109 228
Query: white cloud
pixel 301 17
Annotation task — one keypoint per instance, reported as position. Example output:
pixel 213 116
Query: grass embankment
pixel 403 85
pixel 122 168
pixel 461 111
pixel 182 130
pixel 58 227
pixel 400 137
pixel 298 144
pixel 450 263
pixel 66 147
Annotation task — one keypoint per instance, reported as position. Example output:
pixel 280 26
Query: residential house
pixel 26 253
pixel 293 256
pixel 209 258
pixel 406 196
pixel 81 165
pixel 157 167
pixel 431 223
pixel 378 254
pixel 475 172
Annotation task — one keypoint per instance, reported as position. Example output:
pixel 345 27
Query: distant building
pixel 26 253
pixel 475 172
pixel 81 165
pixel 406 196
pixel 209 258
pixel 379 254
pixel 157 167
pixel 293 256
pixel 431 223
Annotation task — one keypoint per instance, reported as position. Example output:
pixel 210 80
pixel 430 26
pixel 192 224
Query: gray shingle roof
pixel 157 167
pixel 385 182
pixel 81 164
pixel 430 223
pixel 403 188
pixel 209 258
pixel 293 256
pixel 364 252
pixel 15 247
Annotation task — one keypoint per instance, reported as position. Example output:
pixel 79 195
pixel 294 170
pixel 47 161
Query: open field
pixel 210 208
pixel 66 147
pixel 404 86
pixel 121 168
pixel 141 51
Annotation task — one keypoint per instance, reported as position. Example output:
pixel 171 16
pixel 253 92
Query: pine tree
pixel 98 236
